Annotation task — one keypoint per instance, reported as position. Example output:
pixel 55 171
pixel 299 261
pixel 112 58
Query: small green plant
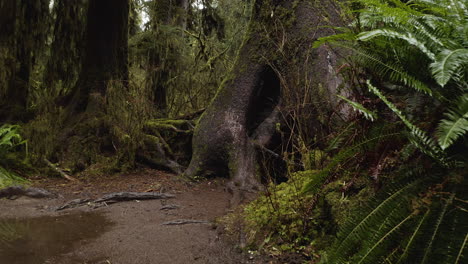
pixel 284 220
pixel 10 139
pixel 413 51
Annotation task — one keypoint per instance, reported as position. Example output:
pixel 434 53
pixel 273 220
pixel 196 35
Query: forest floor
pixel 129 232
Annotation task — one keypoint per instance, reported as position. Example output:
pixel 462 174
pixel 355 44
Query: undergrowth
pixel 10 142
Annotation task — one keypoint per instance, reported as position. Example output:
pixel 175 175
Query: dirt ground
pixel 130 232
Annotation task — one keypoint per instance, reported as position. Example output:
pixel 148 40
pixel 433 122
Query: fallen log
pixel 127 196
pixel 114 198
pixel 32 192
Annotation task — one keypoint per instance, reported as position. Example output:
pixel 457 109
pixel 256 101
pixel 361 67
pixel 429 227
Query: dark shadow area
pixel 264 100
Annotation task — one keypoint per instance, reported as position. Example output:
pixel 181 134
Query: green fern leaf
pixel 447 64
pixel 408 37
pixel 353 233
pixel 455 124
pixel 368 114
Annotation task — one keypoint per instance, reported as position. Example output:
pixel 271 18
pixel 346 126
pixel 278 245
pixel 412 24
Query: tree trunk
pixel 162 59
pixel 24 28
pixel 63 65
pixel 106 52
pixel 243 116
pixel 7 53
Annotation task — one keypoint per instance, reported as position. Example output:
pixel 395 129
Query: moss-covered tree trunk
pixel 163 57
pixel 87 128
pixel 23 32
pixel 106 51
pixel 243 115
pixel 64 62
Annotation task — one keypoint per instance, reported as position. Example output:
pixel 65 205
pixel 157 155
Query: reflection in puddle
pixel 37 240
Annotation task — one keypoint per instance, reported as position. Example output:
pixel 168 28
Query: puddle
pixel 39 240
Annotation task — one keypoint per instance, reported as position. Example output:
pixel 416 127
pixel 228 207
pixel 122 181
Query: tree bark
pixel 244 113
pixel 106 52
pixel 23 33
pixel 63 66
pixel 162 57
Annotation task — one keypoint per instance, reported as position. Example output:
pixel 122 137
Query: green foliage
pixel 455 124
pixel 368 114
pixel 319 178
pixel 10 139
pixel 282 219
pixel 420 45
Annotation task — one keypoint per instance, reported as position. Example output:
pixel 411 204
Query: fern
pixel 447 64
pixel 389 33
pixel 420 139
pixel 319 177
pixel 9 140
pixel 357 230
pixel 455 124
pixel 368 114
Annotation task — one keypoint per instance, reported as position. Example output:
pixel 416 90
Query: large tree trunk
pixel 106 52
pixel 63 65
pixel 162 57
pixel 242 117
pixel 87 127
pixel 23 32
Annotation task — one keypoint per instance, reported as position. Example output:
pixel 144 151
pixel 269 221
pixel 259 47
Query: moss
pixel 287 220
pixel 342 204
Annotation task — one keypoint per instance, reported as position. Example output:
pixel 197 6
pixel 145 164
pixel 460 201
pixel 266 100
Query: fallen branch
pixel 127 196
pixel 60 171
pixel 185 222
pixel 114 198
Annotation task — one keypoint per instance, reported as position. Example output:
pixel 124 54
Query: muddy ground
pixel 122 233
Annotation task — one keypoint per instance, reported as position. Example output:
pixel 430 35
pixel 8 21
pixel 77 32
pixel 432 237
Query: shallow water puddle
pixel 37 240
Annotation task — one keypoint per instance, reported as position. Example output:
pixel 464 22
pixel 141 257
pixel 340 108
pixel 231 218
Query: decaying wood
pixel 60 171
pixel 127 196
pixel 185 222
pixel 13 191
pixel 114 198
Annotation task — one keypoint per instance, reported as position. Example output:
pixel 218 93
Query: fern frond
pixel 395 228
pixel 354 232
pixel 347 36
pixel 420 138
pixel 319 178
pixel 389 33
pixel 368 114
pixel 397 74
pixel 462 248
pixel 416 231
pixel 440 218
pixel 447 64
pixel 455 124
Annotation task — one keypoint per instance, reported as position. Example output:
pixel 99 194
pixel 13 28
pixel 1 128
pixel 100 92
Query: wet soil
pixel 123 233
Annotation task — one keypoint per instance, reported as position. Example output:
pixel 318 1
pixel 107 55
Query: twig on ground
pixel 60 171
